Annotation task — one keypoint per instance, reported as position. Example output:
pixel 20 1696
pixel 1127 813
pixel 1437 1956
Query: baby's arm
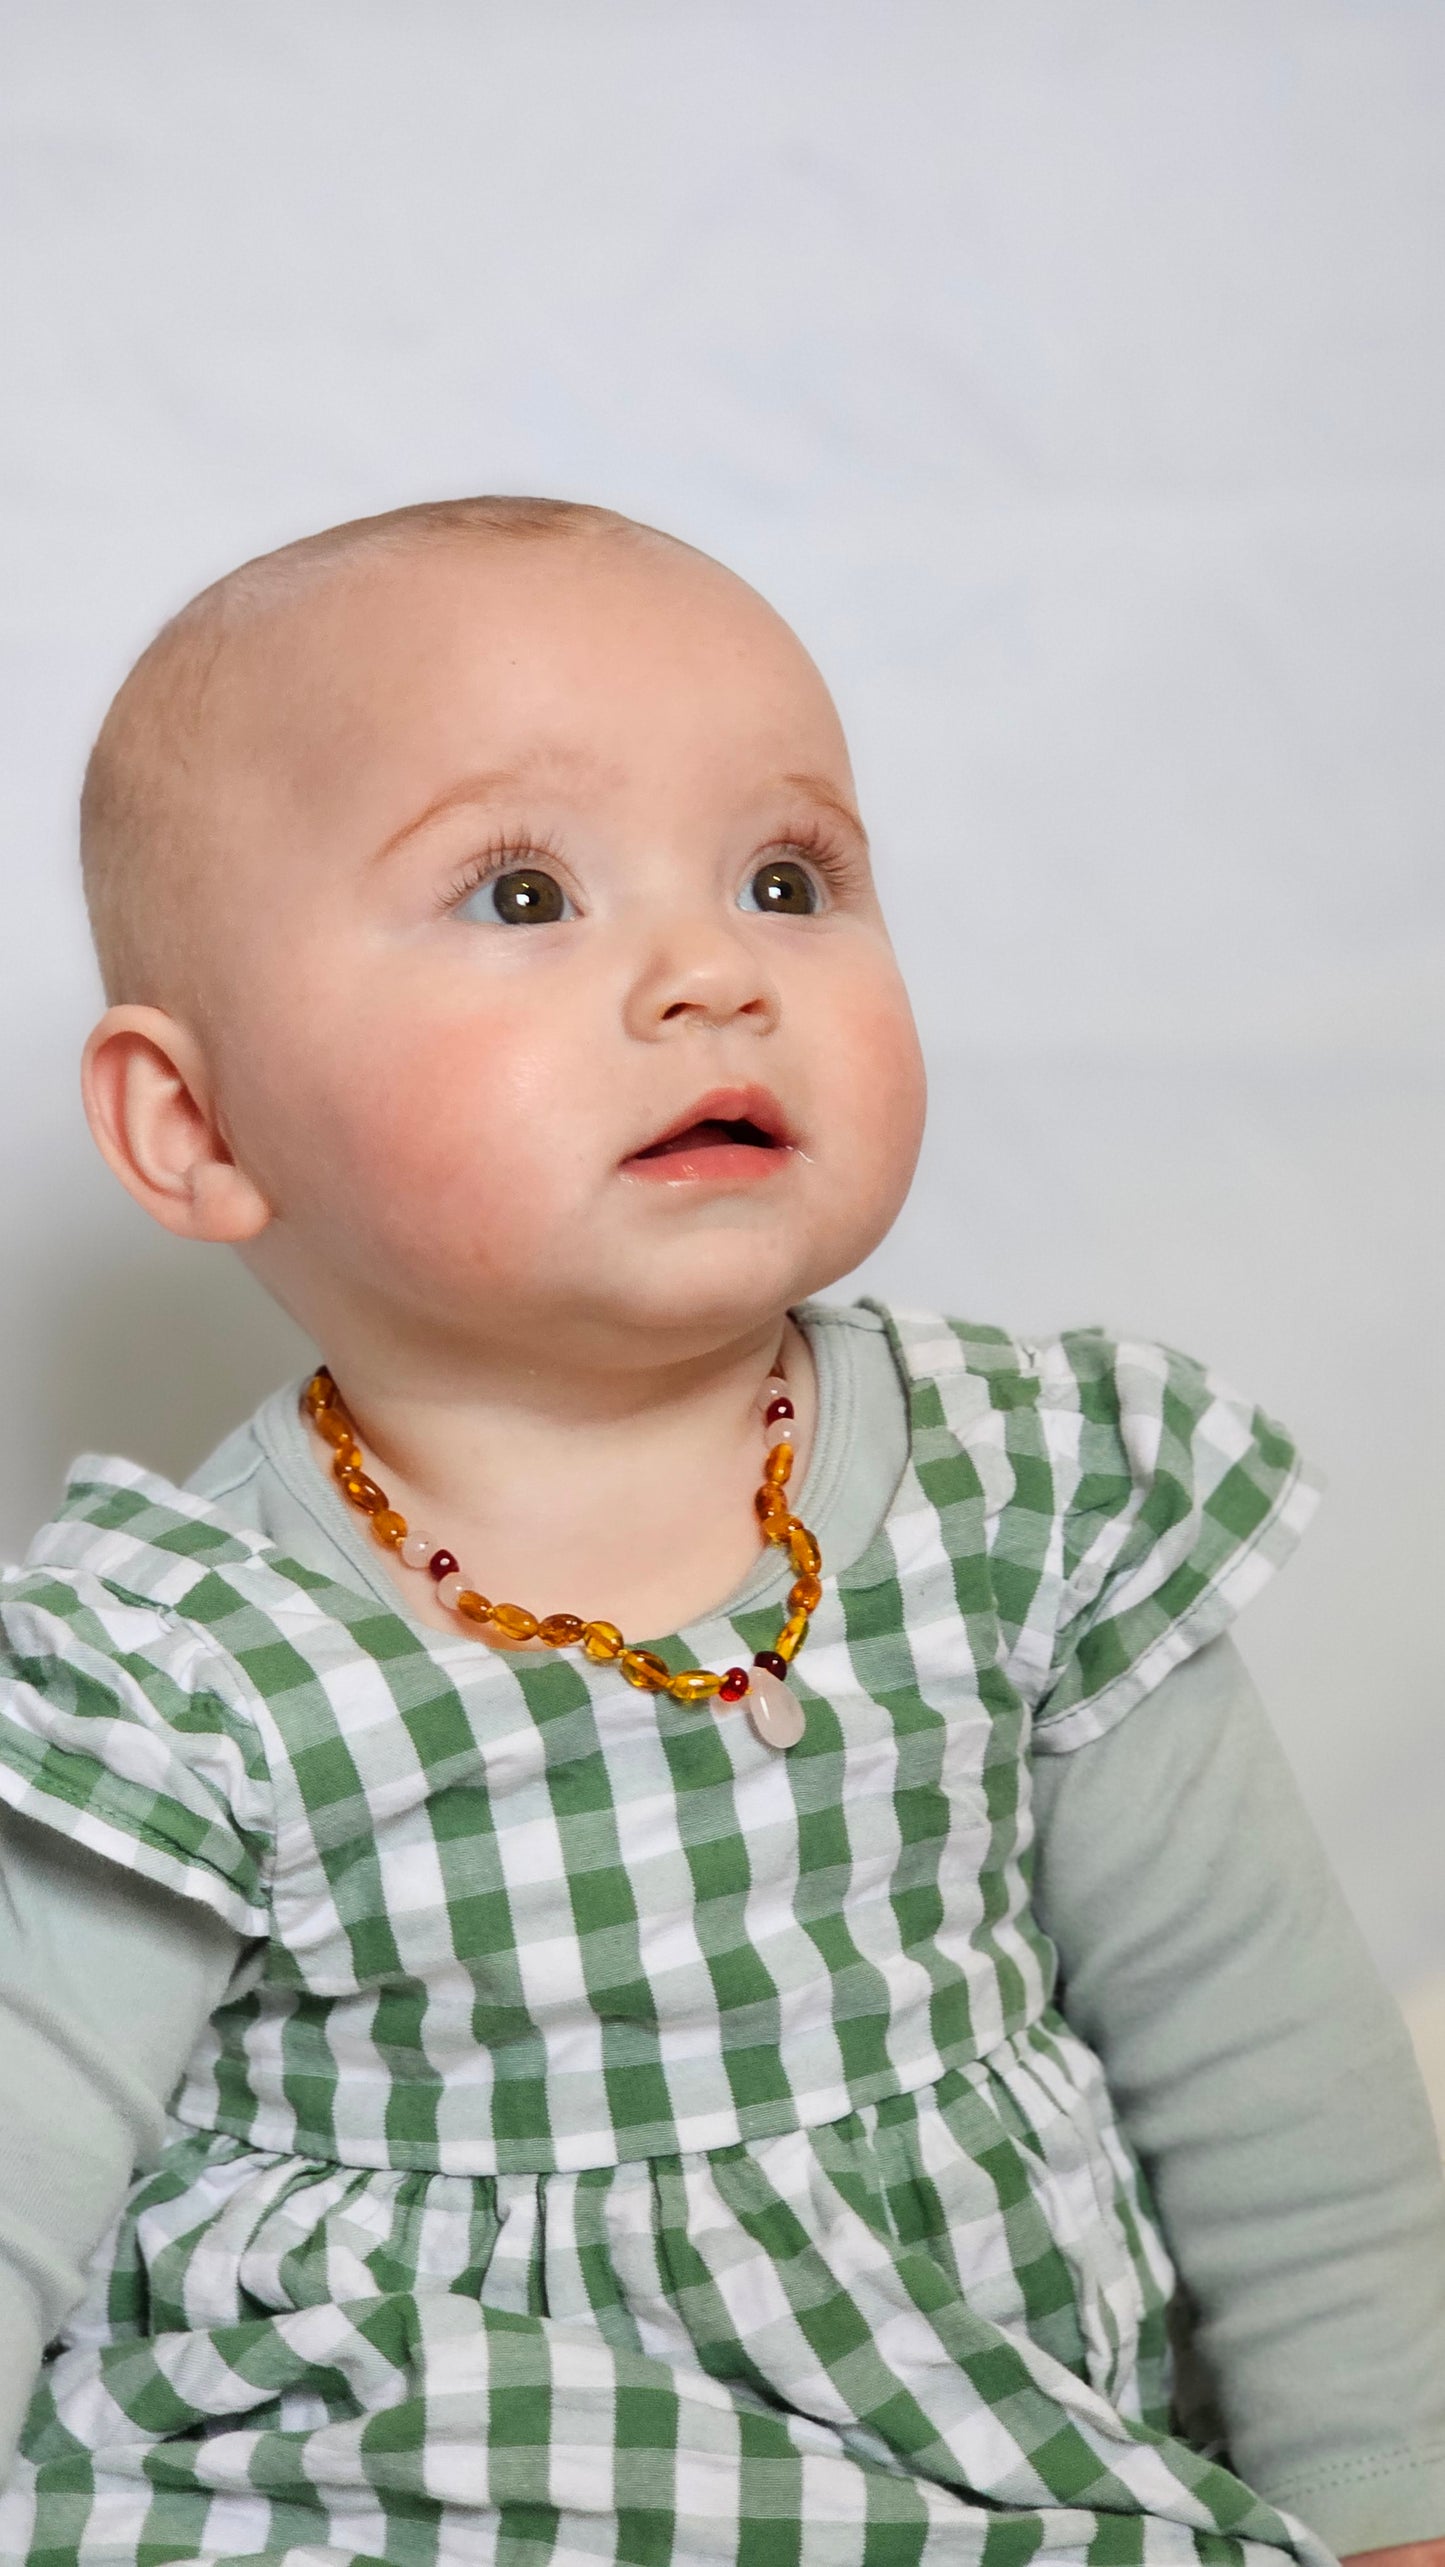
pixel 1264 2077
pixel 105 1982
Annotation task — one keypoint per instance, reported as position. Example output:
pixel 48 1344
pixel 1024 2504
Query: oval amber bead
pixel 790 1639
pixel 771 1505
pixel 778 1464
pixel 389 1527
pixel 514 1621
pixel 803 1548
pixel 320 1392
pixel 695 1684
pixel 805 1594
pixel 602 1640
pixel 561 1630
pixel 644 1668
pixel 474 1606
pixel 363 1492
pixel 334 1425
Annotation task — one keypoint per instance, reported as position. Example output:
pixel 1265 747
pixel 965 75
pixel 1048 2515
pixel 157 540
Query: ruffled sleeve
pixel 127 1728
pixel 1176 1500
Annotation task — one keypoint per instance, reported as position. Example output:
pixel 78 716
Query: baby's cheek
pixel 876 1083
pixel 433 1143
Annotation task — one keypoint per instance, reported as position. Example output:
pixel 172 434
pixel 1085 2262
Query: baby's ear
pixel 151 1108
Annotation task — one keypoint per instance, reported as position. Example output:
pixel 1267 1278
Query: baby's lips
pixel 752 1105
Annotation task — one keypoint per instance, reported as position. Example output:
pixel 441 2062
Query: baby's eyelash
pixel 838 869
pixel 501 854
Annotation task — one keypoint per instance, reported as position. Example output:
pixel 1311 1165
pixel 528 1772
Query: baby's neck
pixel 643 1518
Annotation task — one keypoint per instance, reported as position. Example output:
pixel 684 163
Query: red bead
pixel 734 1685
pixel 775 1665
pixel 441 1564
pixel 778 1408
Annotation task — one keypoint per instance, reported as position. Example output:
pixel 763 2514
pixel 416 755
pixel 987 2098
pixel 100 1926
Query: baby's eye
pixel 522 896
pixel 783 888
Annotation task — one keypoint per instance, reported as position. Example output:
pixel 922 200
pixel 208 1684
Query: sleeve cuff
pixel 1376 2501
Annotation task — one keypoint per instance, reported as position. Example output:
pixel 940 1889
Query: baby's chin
pixel 596 1303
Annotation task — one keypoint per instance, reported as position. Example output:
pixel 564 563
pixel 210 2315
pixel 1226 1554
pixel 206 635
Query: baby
pixel 653 1921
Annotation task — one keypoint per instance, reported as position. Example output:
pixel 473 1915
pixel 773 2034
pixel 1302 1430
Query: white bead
pixel 416 1549
pixel 780 1431
pixel 773 1388
pixel 773 1708
pixel 449 1588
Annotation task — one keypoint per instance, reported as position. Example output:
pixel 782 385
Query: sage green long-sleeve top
pixel 1257 2063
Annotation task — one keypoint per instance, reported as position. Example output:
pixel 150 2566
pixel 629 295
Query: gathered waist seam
pixel 309 2149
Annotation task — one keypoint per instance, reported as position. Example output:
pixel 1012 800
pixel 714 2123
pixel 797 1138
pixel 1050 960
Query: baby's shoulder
pixel 130 1718
pixel 1129 1499
pixel 1129 1402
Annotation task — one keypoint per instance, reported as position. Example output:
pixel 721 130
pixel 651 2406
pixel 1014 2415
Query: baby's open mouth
pixel 710 1134
pixel 731 1135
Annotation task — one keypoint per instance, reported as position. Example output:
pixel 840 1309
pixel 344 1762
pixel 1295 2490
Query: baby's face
pixel 544 853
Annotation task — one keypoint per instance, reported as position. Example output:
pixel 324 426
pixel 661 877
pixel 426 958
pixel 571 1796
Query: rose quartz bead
pixel 417 1549
pixel 774 1709
pixel 449 1588
pixel 780 1432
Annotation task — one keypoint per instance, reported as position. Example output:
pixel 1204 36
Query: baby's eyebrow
pixel 485 787
pixel 818 789
pixel 497 781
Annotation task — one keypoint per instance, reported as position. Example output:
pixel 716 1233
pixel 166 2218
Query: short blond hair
pixel 146 828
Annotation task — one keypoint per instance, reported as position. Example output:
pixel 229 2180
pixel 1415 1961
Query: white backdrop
pixel 1072 373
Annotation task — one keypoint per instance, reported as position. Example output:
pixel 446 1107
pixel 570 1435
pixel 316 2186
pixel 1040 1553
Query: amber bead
pixel 320 1392
pixel 695 1684
pixel 334 1425
pixel 803 1549
pixel 561 1630
pixel 644 1668
pixel 734 1685
pixel 389 1527
pixel 794 1632
pixel 771 1505
pixel 362 1492
pixel 805 1594
pixel 602 1640
pixel 514 1621
pixel 778 1464
pixel 474 1606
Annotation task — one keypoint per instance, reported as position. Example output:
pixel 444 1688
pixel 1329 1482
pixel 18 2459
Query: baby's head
pixel 443 864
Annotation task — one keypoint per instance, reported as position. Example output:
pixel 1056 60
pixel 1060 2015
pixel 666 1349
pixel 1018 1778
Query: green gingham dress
pixel 628 2143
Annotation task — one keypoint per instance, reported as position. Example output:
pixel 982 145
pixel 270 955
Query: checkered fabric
pixel 638 2145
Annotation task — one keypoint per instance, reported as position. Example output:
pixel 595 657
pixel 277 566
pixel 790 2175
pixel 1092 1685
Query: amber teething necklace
pixel 771 1705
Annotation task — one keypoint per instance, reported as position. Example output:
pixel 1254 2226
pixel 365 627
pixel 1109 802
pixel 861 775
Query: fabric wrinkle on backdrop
pixel 1073 381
